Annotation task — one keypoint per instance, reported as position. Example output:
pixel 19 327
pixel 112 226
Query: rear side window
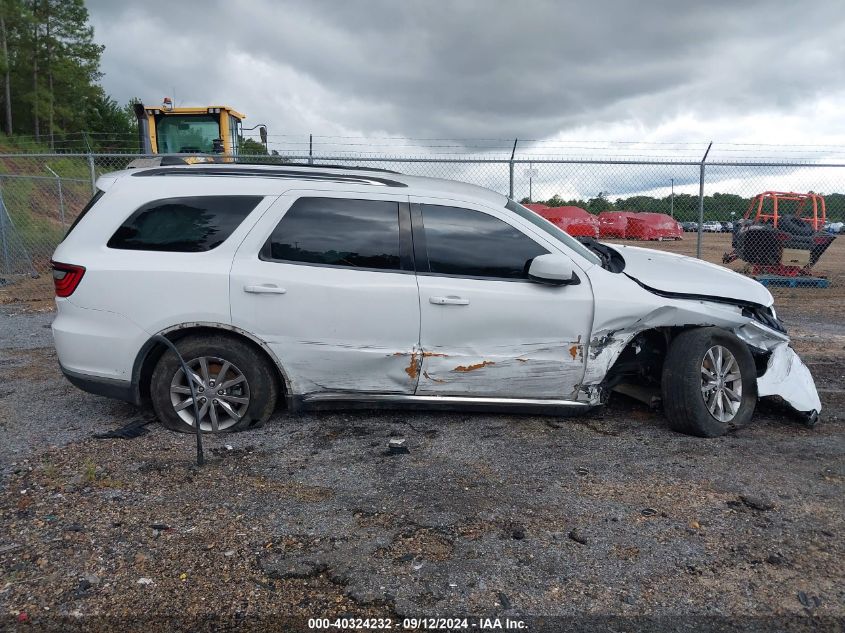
pixel 472 244
pixel 94 200
pixel 183 225
pixel 338 232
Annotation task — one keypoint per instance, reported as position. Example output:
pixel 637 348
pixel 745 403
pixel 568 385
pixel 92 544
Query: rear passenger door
pixel 326 279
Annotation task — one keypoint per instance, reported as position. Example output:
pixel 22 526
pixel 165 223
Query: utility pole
pixel 531 174
pixel 531 182
pixel 672 199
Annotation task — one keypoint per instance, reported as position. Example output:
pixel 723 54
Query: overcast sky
pixel 564 72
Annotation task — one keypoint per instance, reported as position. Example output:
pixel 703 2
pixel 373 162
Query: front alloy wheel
pixel 709 382
pixel 721 383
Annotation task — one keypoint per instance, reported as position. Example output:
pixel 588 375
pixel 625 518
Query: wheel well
pixel 152 351
pixel 641 361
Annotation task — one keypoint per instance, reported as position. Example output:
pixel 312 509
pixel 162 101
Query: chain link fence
pixel 710 210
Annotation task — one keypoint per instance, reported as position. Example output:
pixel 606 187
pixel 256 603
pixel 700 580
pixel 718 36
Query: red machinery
pixel 653 226
pixel 614 224
pixel 781 234
pixel 574 220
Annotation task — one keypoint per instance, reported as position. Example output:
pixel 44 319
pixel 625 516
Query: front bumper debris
pixel 787 376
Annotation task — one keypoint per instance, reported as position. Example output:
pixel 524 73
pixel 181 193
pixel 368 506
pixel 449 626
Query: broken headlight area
pixel 763 315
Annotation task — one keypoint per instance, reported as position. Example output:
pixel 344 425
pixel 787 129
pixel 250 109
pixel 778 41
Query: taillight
pixel 66 278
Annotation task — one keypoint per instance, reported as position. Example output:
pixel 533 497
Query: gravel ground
pixel 493 515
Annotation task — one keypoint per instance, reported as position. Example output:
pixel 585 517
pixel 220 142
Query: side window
pixel 338 232
pixel 473 244
pixel 183 225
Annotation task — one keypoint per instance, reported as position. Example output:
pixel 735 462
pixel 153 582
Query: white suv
pixel 370 288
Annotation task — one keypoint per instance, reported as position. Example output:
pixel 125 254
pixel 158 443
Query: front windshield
pixel 187 133
pixel 549 228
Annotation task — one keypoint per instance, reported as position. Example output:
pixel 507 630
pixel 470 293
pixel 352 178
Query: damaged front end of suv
pixel 659 316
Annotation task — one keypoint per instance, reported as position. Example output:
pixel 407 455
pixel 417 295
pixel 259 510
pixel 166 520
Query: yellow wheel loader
pixel 214 130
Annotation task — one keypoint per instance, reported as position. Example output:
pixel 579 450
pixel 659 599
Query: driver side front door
pixel 486 330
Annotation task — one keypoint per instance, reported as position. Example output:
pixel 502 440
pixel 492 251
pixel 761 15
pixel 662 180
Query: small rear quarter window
pixel 183 225
pixel 94 200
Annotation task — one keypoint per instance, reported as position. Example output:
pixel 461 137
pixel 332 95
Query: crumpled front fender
pixel 625 308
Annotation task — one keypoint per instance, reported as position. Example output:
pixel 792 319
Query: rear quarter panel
pixel 153 290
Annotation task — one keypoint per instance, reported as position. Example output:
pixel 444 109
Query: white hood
pixel 680 274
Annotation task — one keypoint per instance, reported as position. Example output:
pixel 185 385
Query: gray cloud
pixel 473 68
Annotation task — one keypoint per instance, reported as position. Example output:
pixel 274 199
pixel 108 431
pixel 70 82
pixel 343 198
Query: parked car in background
pixel 834 227
pixel 727 227
pixel 689 226
pixel 327 286
pixel 711 227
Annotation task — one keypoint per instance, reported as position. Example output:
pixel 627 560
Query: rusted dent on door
pixel 413 368
pixel 416 360
pixel 577 349
pixel 481 365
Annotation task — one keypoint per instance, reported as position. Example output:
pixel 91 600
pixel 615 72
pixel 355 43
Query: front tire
pixel 235 385
pixel 709 383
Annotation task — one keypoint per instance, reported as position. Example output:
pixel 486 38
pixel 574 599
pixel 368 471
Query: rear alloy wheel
pixel 709 382
pixel 222 393
pixel 234 384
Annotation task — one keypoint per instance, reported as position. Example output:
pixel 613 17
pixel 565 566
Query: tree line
pixel 684 207
pixel 50 69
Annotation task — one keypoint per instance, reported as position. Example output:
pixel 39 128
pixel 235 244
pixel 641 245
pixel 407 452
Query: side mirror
pixel 554 270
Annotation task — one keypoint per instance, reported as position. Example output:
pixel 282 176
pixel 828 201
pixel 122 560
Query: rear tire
pixel 237 386
pixel 709 383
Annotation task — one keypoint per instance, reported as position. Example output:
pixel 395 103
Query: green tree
pixel 110 126
pixel 599 203
pixel 251 147
pixel 50 68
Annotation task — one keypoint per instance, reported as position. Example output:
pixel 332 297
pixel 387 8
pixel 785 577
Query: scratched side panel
pixel 333 329
pixel 332 366
pixel 541 370
pixel 518 340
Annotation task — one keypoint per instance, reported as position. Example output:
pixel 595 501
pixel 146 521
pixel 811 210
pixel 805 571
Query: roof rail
pixel 170 160
pixel 280 171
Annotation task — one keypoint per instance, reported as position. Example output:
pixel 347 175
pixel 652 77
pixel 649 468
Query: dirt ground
pixel 608 521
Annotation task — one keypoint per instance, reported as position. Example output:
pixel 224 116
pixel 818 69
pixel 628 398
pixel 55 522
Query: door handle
pixel 451 300
pixel 265 289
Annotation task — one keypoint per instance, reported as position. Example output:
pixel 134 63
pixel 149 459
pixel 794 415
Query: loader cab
pixel 201 130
